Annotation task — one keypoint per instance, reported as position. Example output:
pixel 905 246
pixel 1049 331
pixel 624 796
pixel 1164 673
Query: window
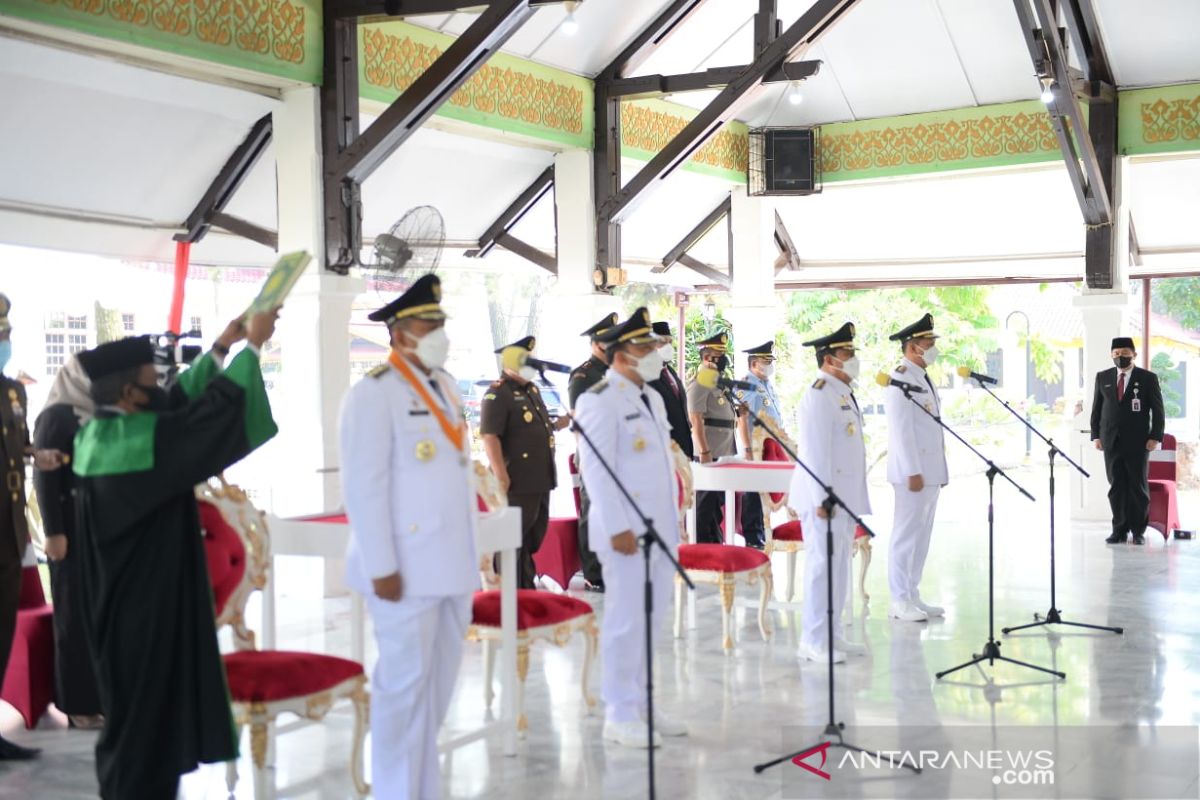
pixel 56 320
pixel 195 324
pixel 56 352
pixel 127 323
pixel 77 323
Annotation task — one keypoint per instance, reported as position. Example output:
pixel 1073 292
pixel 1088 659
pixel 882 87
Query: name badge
pixel 419 412
pixel 634 415
pixel 1136 404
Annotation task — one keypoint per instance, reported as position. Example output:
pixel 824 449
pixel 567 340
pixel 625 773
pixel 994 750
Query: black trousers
pixel 710 510
pixel 588 561
pixel 752 519
pixel 10 595
pixel 1128 489
pixel 75 689
pixel 535 518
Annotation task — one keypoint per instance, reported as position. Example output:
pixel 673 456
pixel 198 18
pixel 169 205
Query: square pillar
pixel 755 311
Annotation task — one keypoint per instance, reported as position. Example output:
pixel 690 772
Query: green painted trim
pixel 274 37
pixel 115 445
pixel 967 138
pixel 647 126
pixel 1161 119
pixel 507 94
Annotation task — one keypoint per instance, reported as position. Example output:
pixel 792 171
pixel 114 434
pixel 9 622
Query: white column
pixel 755 311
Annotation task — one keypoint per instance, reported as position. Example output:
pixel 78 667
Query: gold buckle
pixel 14 481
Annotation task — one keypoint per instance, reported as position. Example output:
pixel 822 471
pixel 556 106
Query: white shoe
pixel 666 726
pixel 908 612
pixel 630 734
pixel 821 655
pixel 930 610
pixel 849 648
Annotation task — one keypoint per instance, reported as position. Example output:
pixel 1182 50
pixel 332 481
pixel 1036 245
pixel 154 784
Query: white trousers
pixel 911 531
pixel 420 642
pixel 814 617
pixel 623 629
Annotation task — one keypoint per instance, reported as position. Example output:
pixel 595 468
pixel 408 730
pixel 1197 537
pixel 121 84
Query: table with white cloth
pixel 327 535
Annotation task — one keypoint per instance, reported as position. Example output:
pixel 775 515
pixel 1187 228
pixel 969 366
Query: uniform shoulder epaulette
pixel 580 370
pixel 819 383
pixel 380 371
pixel 599 386
pixel 496 384
pixel 901 369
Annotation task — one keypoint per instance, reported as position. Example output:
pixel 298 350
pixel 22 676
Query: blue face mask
pixel 5 353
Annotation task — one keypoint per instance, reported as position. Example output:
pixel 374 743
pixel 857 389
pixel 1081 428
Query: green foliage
pixel 109 327
pixel 1177 298
pixel 1164 367
pixel 698 329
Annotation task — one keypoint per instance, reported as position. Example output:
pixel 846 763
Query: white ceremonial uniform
pixel 831 444
pixel 916 446
pixel 636 443
pixel 411 506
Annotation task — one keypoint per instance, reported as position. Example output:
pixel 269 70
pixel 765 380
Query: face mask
pixel 1123 362
pixel 930 356
pixel 768 370
pixel 528 373
pixel 5 353
pixel 649 366
pixel 668 353
pixel 157 398
pixel 851 367
pixel 433 348
pixel 722 363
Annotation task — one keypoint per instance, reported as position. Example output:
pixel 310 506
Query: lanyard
pixel 453 432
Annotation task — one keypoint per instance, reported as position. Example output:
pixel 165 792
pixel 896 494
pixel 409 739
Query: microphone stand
pixel 1053 616
pixel 833 728
pixel 648 540
pixel 991 650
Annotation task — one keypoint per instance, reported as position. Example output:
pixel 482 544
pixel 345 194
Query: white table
pixel 734 477
pixel 497 532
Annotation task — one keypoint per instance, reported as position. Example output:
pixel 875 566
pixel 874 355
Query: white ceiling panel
pixel 669 213
pixel 1166 202
pixel 1151 42
pixel 987 39
pixel 709 28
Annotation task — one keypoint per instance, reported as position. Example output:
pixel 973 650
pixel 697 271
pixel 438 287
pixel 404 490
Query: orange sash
pixel 454 432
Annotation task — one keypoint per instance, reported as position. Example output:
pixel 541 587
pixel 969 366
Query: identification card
pixel 1136 404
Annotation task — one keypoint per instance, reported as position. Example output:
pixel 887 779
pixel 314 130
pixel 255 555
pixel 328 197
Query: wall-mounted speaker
pixel 784 161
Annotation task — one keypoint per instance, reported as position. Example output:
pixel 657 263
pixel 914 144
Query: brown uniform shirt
pixel 518 415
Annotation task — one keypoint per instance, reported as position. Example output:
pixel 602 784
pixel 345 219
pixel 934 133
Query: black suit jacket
pixel 681 428
pixel 1117 425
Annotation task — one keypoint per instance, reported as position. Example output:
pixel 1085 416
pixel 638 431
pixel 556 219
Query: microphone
pixel 709 378
pixel 515 357
pixel 883 379
pixel 965 372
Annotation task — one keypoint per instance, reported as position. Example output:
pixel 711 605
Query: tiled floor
pixel 739 704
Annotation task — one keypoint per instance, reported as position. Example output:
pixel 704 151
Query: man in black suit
pixel 674 393
pixel 1127 423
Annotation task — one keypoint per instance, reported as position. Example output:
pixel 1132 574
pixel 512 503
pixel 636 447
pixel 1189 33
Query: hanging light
pixel 795 96
pixel 1047 90
pixel 710 310
pixel 570 25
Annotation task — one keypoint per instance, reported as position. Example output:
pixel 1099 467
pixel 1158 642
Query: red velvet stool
pixel 725 565
pixel 789 538
pixel 558 557
pixel 29 680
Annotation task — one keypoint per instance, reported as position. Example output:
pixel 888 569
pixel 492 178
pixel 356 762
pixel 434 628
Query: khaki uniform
pixel 720 427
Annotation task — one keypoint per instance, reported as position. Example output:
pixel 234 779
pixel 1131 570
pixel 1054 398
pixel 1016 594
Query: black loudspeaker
pixel 784 161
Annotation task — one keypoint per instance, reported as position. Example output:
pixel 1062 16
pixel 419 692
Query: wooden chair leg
pixel 489 668
pixel 768 586
pixel 258 755
pixel 231 770
pixel 864 550
pixel 590 637
pixel 727 592
pixel 791 575
pixel 522 673
pixel 680 606
pixel 362 720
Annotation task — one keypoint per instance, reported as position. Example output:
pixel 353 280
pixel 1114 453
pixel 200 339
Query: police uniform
pixel 14 532
pixel 916 446
pixel 582 378
pixel 407 485
pixel 762 401
pixel 720 424
pixel 831 444
pixel 627 425
pixel 514 412
pixel 674 394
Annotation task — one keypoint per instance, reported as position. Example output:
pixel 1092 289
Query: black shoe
pixel 597 587
pixel 10 751
pixel 1139 539
pixel 1116 538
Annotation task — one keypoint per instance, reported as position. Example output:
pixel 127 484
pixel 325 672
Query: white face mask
pixel 667 351
pixel 529 373
pixel 433 348
pixel 768 370
pixel 851 366
pixel 930 356
pixel 649 366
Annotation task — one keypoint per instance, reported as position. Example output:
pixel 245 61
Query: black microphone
pixel 514 358
pixel 883 379
pixel 710 379
pixel 965 372
pixel 540 365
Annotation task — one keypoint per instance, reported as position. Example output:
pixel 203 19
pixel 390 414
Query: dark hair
pixel 824 351
pixel 107 391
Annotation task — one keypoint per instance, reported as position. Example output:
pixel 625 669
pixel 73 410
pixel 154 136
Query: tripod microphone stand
pixel 991 650
pixel 1053 616
pixel 648 540
pixel 833 728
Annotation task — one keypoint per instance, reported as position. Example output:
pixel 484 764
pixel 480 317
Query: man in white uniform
pixel 916 469
pixel 831 444
pixel 625 423
pixel 411 505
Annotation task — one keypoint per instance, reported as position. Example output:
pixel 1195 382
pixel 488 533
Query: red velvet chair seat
pixel 720 557
pixel 225 553
pixel 535 609
pixel 791 532
pixel 558 557
pixel 263 676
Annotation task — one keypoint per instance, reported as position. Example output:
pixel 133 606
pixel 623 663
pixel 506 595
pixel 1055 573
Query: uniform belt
pixel 719 423
pixel 15 481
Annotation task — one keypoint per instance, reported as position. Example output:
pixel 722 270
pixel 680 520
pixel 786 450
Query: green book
pixel 279 283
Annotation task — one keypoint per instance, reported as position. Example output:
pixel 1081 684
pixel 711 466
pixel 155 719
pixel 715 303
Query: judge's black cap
pixel 526 344
pixel 605 322
pixel 718 341
pixel 635 330
pixel 842 337
pixel 921 329
pixel 422 301
pixel 1122 341
pixel 113 357
pixel 765 350
pixel 662 329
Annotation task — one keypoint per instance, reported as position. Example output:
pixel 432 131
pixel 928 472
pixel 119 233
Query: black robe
pixel 75 690
pixel 151 623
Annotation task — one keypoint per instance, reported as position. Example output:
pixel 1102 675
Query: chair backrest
pixel 33 595
pixel 764 441
pixel 685 494
pixel 238 549
pixel 1162 460
pixel 576 482
pixel 489 498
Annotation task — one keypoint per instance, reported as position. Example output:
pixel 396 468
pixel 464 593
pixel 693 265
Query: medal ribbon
pixel 453 432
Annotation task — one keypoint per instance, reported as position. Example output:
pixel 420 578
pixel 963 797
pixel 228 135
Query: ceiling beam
pixel 698 266
pixel 247 230
pixel 717 77
pixel 787 249
pixel 766 24
pixel 789 46
pixel 515 212
pixel 666 24
pixel 1084 30
pixel 227 181
pixel 695 235
pixel 528 252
